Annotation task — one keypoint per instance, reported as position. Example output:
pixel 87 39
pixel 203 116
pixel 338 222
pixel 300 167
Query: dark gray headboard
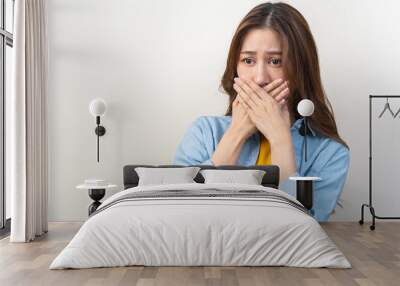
pixel 270 179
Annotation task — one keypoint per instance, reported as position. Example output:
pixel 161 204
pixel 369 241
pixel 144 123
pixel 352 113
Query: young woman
pixel 272 65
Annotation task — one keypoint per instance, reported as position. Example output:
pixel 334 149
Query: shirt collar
pixel 297 125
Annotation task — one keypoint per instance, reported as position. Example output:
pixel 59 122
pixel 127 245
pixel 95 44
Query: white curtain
pixel 28 122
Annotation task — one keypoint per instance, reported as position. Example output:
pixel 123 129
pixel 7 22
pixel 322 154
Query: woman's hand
pixel 269 112
pixel 242 127
pixel 229 147
pixel 266 107
pixel 241 123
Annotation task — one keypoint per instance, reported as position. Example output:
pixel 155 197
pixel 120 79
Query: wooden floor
pixel 374 255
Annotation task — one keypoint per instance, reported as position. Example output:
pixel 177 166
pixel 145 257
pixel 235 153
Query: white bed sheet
pixel 200 231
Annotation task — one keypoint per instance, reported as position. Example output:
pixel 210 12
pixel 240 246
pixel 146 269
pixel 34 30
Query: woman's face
pixel 260 58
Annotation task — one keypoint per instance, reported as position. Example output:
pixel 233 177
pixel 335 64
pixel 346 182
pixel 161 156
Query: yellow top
pixel 264 156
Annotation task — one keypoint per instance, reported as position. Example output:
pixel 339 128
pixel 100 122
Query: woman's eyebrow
pixel 270 52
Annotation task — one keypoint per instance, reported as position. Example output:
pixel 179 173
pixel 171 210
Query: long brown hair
pixel 300 63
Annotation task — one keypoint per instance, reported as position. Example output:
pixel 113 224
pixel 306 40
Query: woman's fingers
pixel 250 91
pixel 243 97
pixel 238 101
pixel 253 88
pixel 283 94
pixel 279 92
pixel 253 96
pixel 283 102
pixel 246 94
pixel 274 84
pixel 278 89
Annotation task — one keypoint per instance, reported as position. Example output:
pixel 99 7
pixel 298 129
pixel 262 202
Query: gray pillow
pixel 248 176
pixel 162 176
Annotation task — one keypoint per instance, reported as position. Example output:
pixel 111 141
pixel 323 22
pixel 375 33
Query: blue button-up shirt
pixel 326 158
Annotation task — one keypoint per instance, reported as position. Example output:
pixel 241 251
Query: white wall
pixel 158 64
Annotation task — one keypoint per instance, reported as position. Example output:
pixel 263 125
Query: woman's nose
pixel 261 77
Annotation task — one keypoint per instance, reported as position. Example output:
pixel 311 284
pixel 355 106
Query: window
pixel 6 44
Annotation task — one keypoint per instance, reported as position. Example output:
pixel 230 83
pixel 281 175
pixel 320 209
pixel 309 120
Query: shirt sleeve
pixel 192 149
pixel 328 190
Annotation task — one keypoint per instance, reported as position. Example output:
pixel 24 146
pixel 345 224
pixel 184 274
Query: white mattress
pixel 200 231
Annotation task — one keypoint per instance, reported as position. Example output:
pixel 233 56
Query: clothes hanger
pixel 398 111
pixel 387 107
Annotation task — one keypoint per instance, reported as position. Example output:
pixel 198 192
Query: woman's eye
pixel 275 61
pixel 247 61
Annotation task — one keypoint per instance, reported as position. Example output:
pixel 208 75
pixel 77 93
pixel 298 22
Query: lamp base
pixel 304 193
pixel 100 130
pixel 96 195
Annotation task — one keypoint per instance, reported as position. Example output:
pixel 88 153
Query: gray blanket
pixel 205 194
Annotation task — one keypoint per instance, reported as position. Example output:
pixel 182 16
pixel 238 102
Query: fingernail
pixel 235 79
pixel 280 80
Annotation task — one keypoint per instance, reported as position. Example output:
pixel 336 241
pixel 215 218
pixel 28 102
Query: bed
pixel 201 224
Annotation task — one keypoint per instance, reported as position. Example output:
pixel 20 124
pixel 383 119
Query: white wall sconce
pixel 97 108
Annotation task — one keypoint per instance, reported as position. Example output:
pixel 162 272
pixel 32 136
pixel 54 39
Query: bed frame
pixel 270 179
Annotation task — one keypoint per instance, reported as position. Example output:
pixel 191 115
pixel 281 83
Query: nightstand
pixel 96 193
pixel 305 190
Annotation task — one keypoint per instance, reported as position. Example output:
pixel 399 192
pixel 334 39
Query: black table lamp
pixel 304 185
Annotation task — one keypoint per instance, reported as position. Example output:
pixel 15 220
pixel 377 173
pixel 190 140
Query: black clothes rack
pixel 369 205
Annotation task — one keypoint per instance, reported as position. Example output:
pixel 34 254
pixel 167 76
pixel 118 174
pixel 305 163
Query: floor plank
pixel 374 255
